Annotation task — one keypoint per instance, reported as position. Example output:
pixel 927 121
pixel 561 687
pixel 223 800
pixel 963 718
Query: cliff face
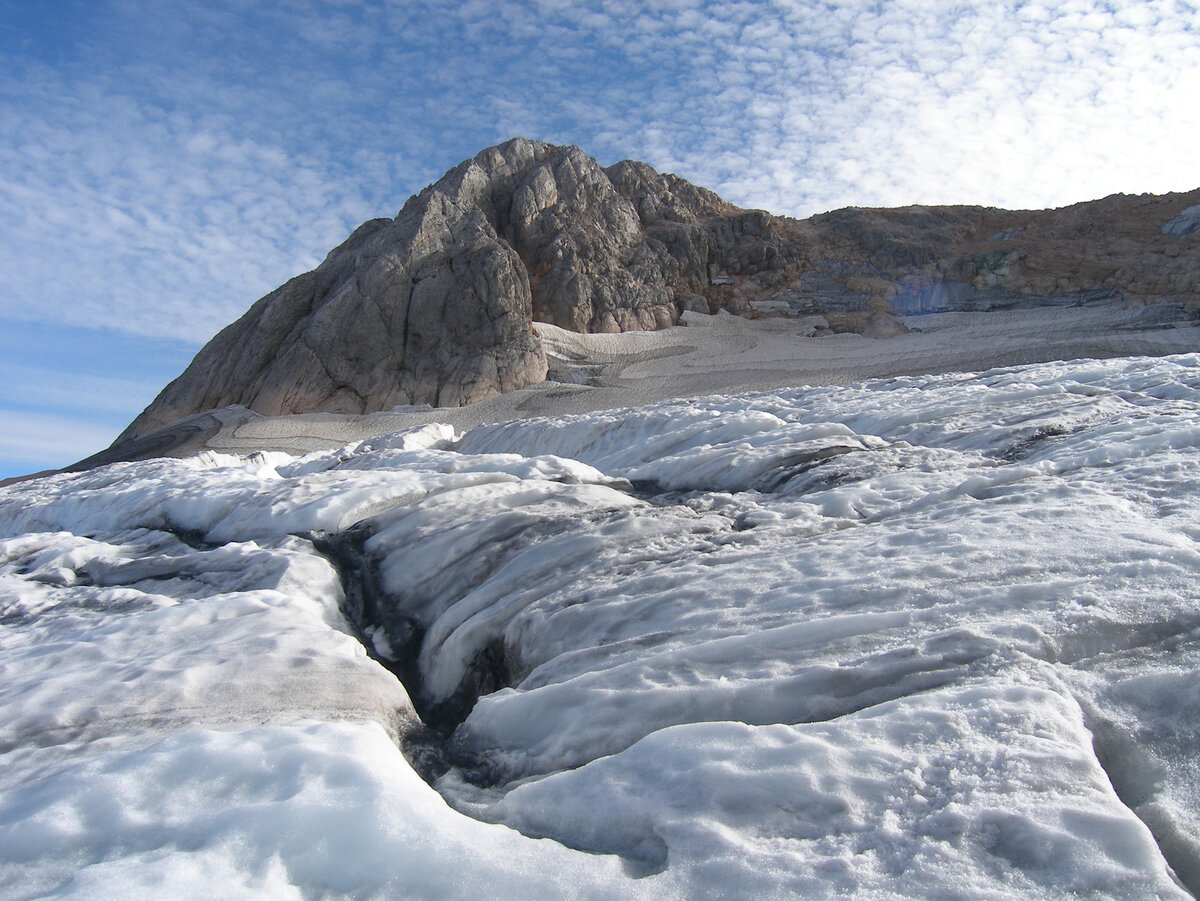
pixel 436 306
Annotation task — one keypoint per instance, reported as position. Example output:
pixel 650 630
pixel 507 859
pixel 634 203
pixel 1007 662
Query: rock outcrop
pixel 437 305
pixel 1133 249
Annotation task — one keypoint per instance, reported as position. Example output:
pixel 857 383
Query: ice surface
pixel 887 801
pixel 926 636
pixel 725 354
pixel 321 809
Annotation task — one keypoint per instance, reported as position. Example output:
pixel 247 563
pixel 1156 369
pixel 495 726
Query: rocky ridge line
pixel 437 305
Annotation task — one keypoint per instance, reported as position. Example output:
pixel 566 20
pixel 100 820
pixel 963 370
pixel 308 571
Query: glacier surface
pixel 928 636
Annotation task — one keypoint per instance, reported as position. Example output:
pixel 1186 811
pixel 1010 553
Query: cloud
pixel 802 106
pixel 118 212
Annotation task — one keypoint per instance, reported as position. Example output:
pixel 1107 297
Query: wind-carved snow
pixel 932 636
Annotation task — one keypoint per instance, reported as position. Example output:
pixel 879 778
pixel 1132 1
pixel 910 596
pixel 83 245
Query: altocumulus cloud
pixel 162 165
pixel 801 106
pixel 121 211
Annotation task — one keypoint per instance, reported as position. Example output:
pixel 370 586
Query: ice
pixel 149 633
pixel 1186 223
pixel 327 809
pixel 889 801
pixel 1143 711
pixel 924 636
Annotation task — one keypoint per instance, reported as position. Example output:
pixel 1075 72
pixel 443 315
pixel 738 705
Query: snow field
pixel 929 636
pixel 300 811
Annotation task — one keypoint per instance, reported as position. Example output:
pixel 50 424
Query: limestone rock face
pixel 436 305
pixel 614 249
pixel 913 260
pixel 431 307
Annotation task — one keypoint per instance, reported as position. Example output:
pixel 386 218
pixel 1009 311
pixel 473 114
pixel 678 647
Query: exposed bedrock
pixel 437 305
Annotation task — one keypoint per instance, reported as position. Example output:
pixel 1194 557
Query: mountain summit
pixel 437 305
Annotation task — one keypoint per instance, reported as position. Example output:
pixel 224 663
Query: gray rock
pixel 436 305
pixel 432 307
pixel 693 303
pixel 659 198
pixel 823 288
pixel 1006 236
pixel 915 297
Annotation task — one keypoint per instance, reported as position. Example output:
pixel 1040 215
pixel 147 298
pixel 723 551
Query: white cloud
pixel 118 214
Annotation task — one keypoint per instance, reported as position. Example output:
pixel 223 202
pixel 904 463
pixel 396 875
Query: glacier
pixel 929 636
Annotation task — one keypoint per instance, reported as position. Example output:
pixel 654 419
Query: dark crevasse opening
pixel 428 748
pixel 1134 775
pixel 367 609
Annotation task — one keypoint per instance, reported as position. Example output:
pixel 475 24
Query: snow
pixel 883 802
pixel 726 354
pixel 924 636
pixel 311 809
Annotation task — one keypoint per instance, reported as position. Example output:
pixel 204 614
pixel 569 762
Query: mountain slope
pixel 437 305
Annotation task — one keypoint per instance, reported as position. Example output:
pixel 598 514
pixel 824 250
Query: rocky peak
pixel 661 197
pixel 436 305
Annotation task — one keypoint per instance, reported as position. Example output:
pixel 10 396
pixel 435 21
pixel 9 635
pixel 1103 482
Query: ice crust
pixel 929 636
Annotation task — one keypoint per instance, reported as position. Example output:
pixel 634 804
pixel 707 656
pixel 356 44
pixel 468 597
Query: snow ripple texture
pixel 930 637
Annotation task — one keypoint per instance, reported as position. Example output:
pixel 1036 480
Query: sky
pixel 164 163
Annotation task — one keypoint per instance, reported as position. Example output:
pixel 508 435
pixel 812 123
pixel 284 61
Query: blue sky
pixel 164 163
